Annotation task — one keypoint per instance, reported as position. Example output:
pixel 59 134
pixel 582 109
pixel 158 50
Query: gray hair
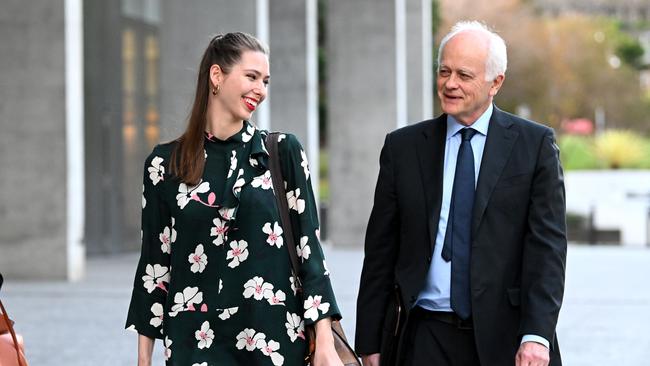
pixel 497 59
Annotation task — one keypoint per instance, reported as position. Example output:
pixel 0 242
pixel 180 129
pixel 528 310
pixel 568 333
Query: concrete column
pixel 419 48
pixel 74 140
pixel 362 108
pixel 372 89
pixel 33 188
pixel 184 34
pixel 294 74
pixel 105 198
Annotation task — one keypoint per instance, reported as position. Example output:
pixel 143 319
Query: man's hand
pixel 370 360
pixel 532 354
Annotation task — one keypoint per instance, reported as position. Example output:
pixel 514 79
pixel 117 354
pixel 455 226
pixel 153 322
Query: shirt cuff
pixel 535 338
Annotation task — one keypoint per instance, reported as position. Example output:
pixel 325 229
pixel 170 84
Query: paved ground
pixel 605 319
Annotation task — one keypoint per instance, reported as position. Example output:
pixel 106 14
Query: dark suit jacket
pixel 518 230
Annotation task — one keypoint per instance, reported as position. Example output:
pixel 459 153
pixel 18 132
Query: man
pixel 467 231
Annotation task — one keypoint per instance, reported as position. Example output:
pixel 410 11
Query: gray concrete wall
pixel 361 93
pixel 104 158
pixel 363 100
pixel 288 42
pixel 32 140
pixel 416 59
pixel 184 34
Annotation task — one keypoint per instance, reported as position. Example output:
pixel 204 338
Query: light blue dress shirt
pixel 435 295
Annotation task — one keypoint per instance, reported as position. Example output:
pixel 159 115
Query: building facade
pixel 89 87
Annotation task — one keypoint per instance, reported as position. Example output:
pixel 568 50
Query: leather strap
pixel 349 356
pixel 283 206
pixel 13 334
pixel 10 328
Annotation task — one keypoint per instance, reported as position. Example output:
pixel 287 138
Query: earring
pixel 216 90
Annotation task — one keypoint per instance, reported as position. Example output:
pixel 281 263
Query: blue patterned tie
pixel 458 237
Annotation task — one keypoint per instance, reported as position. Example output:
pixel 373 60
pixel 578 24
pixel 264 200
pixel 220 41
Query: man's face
pixel 464 94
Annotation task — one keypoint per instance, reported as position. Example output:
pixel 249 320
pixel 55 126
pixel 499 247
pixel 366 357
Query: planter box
pixel 612 200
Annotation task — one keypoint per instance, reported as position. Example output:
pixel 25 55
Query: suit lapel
pixel 498 146
pixel 431 153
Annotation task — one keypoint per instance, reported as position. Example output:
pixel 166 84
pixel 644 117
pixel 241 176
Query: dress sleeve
pixel 150 286
pixel 318 296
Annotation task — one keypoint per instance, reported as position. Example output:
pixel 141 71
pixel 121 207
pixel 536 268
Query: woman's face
pixel 243 89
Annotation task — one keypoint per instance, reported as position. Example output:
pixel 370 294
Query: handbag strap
pixel 281 199
pixel 283 206
pixel 11 331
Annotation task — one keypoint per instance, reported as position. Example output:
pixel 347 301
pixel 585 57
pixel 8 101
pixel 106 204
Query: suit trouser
pixel 429 341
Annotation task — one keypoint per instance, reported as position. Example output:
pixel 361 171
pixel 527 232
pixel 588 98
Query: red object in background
pixel 578 126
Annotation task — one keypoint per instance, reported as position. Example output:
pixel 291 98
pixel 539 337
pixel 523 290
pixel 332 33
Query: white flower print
pixel 263 181
pixel 233 164
pixel 186 194
pixel 168 351
pixel 303 249
pixel 200 364
pixel 205 335
pixel 247 338
pixel 277 298
pixel 238 253
pixel 239 183
pixel 198 259
pixel 294 288
pixel 156 170
pixel 295 327
pixel 157 311
pixel 155 276
pixel 312 305
pixel 226 313
pixel 275 234
pixel 219 230
pixel 257 288
pixel 269 349
pixel 167 237
pixel 144 200
pixel 317 232
pixel 248 134
pixel 132 328
pixel 220 286
pixel 226 212
pixel 294 202
pixel 205 154
pixel 253 162
pixel 304 164
pixel 281 137
pixel 185 300
pixel 327 271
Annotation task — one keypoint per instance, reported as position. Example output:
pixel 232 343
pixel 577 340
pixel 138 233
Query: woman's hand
pixel 325 354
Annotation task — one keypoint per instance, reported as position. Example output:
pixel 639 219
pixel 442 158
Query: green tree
pixel 630 51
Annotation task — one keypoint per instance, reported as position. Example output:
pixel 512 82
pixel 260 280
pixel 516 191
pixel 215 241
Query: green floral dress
pixel 214 278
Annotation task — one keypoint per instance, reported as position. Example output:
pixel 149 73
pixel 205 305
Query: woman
pixel 214 278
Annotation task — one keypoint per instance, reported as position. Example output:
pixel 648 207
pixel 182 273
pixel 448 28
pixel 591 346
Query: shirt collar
pixel 481 124
pixel 243 135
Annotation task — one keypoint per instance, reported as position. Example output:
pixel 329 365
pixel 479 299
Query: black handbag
pixel 345 352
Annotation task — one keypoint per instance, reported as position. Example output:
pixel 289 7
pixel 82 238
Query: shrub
pixel 577 152
pixel 621 149
pixel 323 171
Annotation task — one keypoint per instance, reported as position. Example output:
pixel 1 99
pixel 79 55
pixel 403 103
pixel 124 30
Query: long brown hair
pixel 188 159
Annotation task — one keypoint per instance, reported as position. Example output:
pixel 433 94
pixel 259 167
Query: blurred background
pixel 87 88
